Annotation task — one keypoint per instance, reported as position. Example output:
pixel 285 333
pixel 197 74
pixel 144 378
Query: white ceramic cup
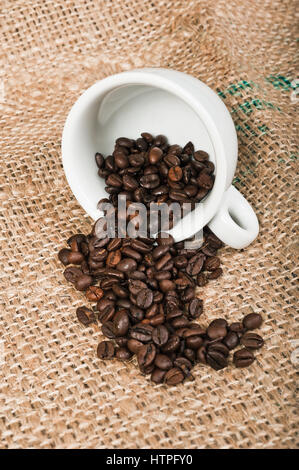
pixel 159 101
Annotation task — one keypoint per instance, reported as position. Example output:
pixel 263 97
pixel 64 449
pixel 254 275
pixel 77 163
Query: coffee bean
pixel 217 329
pixel 146 355
pixel 155 155
pixel 150 181
pixel 160 251
pixel 114 180
pixel 237 327
pixel 115 244
pixel 121 323
pixel 113 258
pixel 243 358
pixel 195 308
pixel 94 293
pixel 144 298
pixel 105 350
pixel 124 142
pixel 133 345
pixel 158 375
pixel 172 344
pixel 126 265
pixel 252 341
pixel 160 335
pixel 108 330
pixel 123 354
pixel 142 333
pixel 140 246
pixel 201 156
pixel 163 362
pixel 85 315
pixel 175 173
pixel 121 159
pixel 83 282
pixel 231 340
pixel 212 263
pixel 174 376
pixel 130 183
pixel 216 359
pixel 99 159
pixel 71 274
pixel 214 274
pixel 252 321
pixel 201 354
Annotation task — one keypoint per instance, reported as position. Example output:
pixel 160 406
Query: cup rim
pixel 150 77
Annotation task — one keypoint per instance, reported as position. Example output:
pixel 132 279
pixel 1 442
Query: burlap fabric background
pixel 54 391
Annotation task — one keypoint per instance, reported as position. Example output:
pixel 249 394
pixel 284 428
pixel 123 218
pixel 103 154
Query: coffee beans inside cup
pixel 145 289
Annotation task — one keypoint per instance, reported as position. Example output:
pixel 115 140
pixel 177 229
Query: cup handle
pixel 235 223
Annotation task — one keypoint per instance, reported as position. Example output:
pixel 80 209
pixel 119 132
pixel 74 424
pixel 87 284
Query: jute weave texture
pixel 54 392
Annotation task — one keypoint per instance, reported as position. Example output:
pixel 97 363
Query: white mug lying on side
pixel 159 101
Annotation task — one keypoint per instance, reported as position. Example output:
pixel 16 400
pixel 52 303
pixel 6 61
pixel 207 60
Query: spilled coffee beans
pixel 144 287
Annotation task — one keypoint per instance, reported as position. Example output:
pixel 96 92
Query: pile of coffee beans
pixel 144 288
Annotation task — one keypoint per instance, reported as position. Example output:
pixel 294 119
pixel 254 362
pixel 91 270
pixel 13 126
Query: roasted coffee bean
pixel 166 285
pixel 71 274
pixel 124 142
pixel 163 362
pixel 195 308
pixel 212 263
pixel 184 364
pixel 129 182
pixel 162 262
pixel 136 314
pixel 174 376
pixel 252 321
pixel 115 244
pixel 158 375
pixel 195 264
pixel 172 344
pixel 114 180
pixel 144 298
pixel 237 327
pixel 94 293
pixel 121 160
pixel 83 282
pixel 108 330
pixel 252 341
pixel 217 329
pixel 216 359
pixel 121 323
pixel 175 173
pixel 99 159
pixel 231 340
pixel 133 345
pixel 106 350
pixel 146 355
pixel 126 265
pixel 243 358
pixel 150 181
pixel 142 333
pixel 147 137
pixel 160 335
pixel 107 314
pixel 201 354
pixel 85 315
pixel 160 251
pixel 136 286
pixel 113 258
pixel 120 291
pixel 214 274
pixel 201 156
pixel 63 256
pixel 155 155
pixel 123 354
pixel 140 246
pixel 129 252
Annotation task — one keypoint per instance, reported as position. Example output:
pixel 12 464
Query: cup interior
pixel 125 110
